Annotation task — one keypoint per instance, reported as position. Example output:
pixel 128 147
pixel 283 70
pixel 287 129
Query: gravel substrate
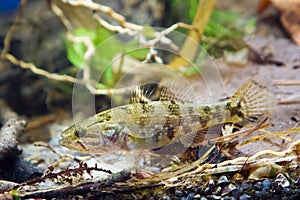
pixel 224 188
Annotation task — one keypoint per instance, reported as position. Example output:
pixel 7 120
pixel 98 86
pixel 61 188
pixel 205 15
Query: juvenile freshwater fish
pixel 152 125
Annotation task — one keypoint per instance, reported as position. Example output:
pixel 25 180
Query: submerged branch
pixel 12 127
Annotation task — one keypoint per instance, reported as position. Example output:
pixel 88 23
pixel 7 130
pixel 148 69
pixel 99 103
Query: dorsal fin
pixel 139 95
pixel 154 92
pixel 167 94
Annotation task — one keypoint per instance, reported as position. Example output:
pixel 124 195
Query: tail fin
pixel 254 99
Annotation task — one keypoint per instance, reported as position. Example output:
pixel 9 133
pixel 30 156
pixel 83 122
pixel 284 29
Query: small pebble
pixel 282 181
pixel 178 193
pixel 258 194
pixel 264 191
pixel 203 198
pixel 227 189
pixel 258 185
pixel 211 182
pixel 228 198
pixel 222 180
pixel 266 184
pixel 190 196
pixel 245 197
pixel 214 197
pixel 239 189
pixel 246 186
pixel 166 198
pixel 237 193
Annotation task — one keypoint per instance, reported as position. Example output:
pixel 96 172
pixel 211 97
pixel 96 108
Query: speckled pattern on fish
pixel 145 125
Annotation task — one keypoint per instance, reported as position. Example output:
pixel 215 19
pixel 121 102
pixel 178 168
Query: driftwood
pixel 12 126
pixel 13 167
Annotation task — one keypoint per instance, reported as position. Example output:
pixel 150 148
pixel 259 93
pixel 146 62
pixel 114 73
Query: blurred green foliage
pixel 106 46
pixel 224 31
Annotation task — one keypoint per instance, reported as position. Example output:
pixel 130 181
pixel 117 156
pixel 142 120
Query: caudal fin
pixel 253 100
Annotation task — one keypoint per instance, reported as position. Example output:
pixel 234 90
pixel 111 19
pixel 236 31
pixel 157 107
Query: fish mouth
pixel 74 145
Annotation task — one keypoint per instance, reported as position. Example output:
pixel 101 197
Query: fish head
pixel 98 138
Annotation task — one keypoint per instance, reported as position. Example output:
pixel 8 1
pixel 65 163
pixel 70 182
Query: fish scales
pixel 167 122
pixel 155 124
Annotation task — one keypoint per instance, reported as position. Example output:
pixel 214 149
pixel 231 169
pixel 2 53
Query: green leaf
pixel 108 78
pixel 133 49
pixel 76 51
pixel 107 46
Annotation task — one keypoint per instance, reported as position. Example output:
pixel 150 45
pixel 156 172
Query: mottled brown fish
pixel 151 125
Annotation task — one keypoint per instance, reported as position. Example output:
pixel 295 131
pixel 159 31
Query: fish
pixel 153 124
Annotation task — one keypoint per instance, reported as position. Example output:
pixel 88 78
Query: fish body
pixel 148 125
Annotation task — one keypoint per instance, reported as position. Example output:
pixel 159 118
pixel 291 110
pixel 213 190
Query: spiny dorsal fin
pixel 154 92
pixel 167 94
pixel 138 95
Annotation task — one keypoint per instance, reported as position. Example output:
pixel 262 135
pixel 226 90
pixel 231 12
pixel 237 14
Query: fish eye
pixel 80 131
pixel 110 132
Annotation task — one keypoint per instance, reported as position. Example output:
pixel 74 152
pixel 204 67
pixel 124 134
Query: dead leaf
pixel 263 4
pixel 290 16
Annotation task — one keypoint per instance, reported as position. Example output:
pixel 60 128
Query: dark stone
pixel 17 169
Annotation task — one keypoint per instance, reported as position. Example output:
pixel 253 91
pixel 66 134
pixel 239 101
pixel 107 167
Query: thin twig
pixel 286 82
pixel 125 27
pixel 293 99
pixel 104 9
pixel 40 121
pixel 12 29
pixel 67 174
pixel 38 71
pixel 61 155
